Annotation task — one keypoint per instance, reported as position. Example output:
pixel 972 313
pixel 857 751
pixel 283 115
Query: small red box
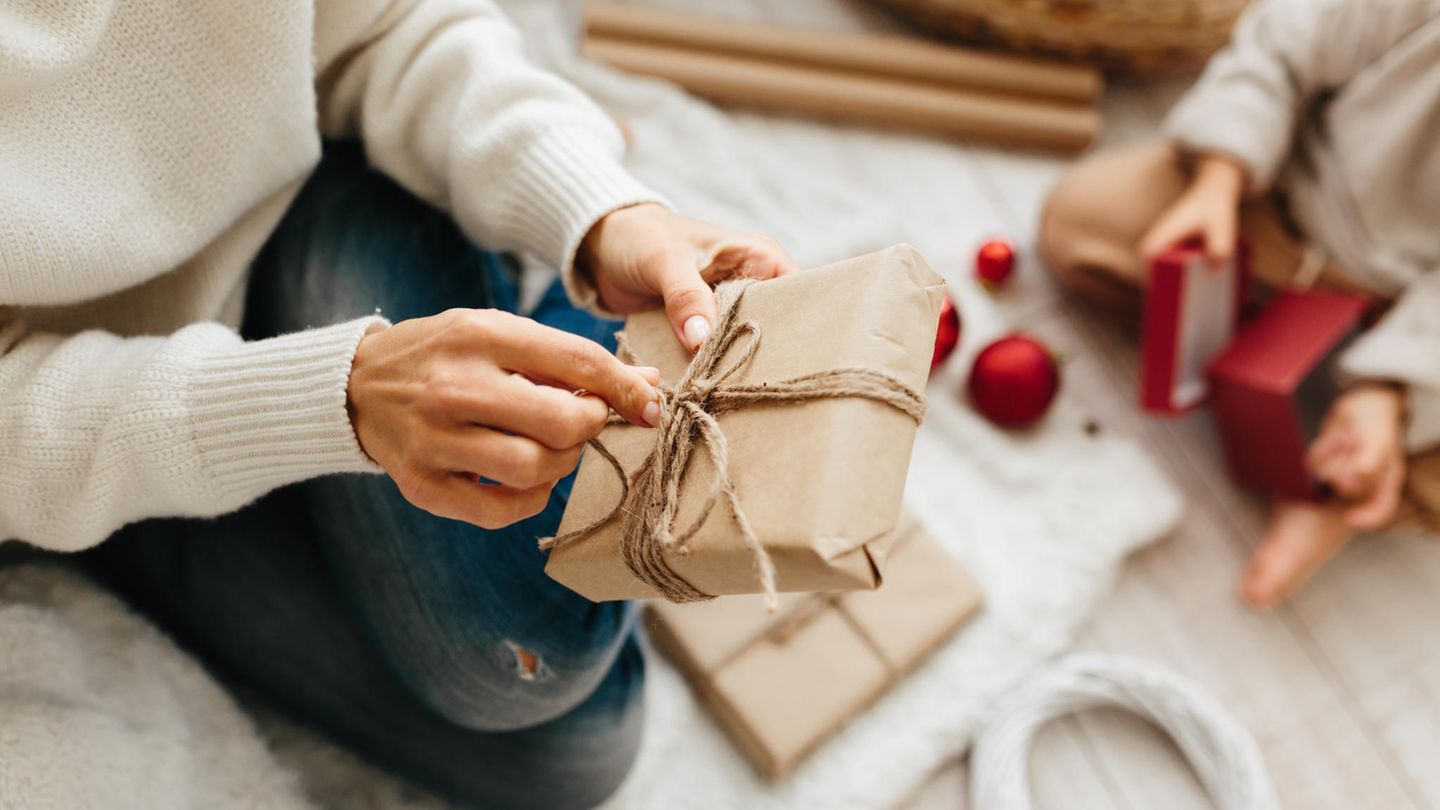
pixel 1271 387
pixel 1191 313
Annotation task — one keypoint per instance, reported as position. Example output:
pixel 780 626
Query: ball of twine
pixel 1222 753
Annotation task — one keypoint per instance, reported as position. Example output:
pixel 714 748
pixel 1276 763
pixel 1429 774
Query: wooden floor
pixel 1341 686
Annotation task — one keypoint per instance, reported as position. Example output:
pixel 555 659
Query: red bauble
pixel 948 335
pixel 995 263
pixel 1014 380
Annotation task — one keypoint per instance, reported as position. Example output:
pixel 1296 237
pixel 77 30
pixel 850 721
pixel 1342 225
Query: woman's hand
pixel 1360 453
pixel 1208 210
pixel 646 255
pixel 444 401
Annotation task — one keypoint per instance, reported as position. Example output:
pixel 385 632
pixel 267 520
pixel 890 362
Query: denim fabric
pixel 393 631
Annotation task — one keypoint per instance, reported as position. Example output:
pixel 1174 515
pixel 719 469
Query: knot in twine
pixel 649 498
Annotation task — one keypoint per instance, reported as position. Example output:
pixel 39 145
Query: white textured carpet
pixel 1036 522
pixel 1034 518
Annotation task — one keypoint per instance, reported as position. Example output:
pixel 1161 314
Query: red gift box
pixel 1270 389
pixel 1191 312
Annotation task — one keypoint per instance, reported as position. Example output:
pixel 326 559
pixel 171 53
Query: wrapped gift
pixel 1191 311
pixel 783 445
pixel 781 683
pixel 1271 387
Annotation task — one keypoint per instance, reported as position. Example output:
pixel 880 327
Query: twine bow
pixel 650 497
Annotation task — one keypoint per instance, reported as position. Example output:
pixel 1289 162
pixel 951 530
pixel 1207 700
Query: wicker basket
pixel 1134 37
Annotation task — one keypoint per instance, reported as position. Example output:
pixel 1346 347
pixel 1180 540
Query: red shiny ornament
pixel 947 336
pixel 995 263
pixel 1014 381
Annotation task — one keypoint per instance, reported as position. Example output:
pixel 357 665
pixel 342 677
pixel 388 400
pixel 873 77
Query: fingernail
pixel 651 414
pixel 696 330
pixel 650 373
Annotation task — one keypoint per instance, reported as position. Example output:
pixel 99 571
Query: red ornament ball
pixel 1014 381
pixel 995 263
pixel 948 335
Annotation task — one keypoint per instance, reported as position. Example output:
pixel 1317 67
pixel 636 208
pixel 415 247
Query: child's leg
pixel 1303 536
pixel 1300 539
pixel 1096 215
pixel 439 649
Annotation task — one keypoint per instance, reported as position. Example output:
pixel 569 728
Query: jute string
pixel 650 496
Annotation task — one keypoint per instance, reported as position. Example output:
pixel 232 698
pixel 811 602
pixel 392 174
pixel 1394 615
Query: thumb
pixel 1220 240
pixel 689 302
pixel 1170 231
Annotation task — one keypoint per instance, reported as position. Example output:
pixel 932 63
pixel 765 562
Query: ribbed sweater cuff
pixel 1237 123
pixel 1394 356
pixel 273 412
pixel 567 180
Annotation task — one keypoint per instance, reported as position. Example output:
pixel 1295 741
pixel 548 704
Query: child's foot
pixel 1301 537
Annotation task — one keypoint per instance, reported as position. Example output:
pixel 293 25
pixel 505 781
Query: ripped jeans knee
pixel 518 680
pixel 528 666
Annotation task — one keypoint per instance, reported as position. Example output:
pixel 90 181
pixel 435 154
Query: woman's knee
pixel 521 678
pixel 574 761
pixel 466 617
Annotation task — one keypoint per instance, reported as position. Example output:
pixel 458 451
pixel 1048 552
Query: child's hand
pixel 646 255
pixel 1360 453
pixel 1209 210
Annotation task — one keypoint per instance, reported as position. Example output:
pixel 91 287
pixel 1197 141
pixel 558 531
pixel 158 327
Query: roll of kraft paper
pixel 882 102
pixel 866 54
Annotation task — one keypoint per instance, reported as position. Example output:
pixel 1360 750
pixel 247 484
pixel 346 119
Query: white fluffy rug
pixel 1034 519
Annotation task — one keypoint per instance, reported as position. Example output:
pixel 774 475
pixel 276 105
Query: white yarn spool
pixel 1222 753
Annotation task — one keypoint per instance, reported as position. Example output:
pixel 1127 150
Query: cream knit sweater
pixel 148 148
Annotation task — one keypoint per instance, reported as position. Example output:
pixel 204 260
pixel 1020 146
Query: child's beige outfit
pixel 1333 107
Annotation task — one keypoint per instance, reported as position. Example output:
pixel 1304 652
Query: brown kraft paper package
pixel 820 481
pixel 781 683
pixel 946 111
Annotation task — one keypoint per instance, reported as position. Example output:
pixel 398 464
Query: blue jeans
pixel 392 631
